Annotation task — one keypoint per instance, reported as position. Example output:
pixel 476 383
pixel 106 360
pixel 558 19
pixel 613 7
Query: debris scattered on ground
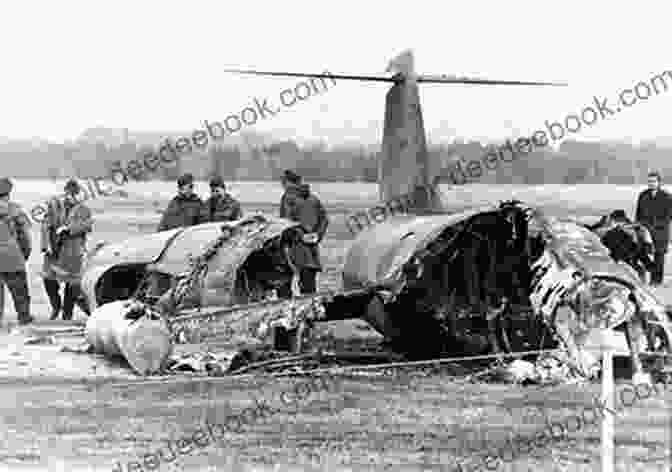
pixel 520 371
pixel 210 362
pixel 80 348
pixel 548 369
pixel 42 340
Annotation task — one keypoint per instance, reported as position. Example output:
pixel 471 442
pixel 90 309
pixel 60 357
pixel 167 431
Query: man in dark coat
pixel 221 206
pixel 185 209
pixel 63 240
pixel 290 183
pixel 300 205
pixel 654 210
pixel 15 249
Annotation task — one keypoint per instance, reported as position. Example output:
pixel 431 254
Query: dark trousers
pixel 658 267
pixel 307 283
pixel 72 295
pixel 17 283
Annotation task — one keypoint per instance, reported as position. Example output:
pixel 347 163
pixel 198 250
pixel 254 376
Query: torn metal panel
pixel 138 249
pixel 196 239
pixel 581 292
pixel 458 284
pixel 444 282
pixel 550 284
pixel 219 274
pixel 378 254
pixel 161 259
pixel 246 324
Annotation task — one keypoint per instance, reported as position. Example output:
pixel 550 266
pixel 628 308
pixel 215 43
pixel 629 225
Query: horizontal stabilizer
pixel 427 79
pixel 323 75
pixel 452 79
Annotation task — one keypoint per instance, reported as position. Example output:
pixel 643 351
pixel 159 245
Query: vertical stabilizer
pixel 404 169
pixel 404 164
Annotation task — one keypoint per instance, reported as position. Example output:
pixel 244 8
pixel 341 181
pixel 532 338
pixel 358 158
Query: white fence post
pixel 607 452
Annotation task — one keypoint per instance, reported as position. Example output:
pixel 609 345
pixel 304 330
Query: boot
pixel 69 297
pixel 52 289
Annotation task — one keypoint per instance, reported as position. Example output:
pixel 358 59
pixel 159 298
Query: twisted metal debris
pixel 232 239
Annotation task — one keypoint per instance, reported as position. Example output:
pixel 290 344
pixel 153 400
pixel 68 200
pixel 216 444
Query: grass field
pixel 417 425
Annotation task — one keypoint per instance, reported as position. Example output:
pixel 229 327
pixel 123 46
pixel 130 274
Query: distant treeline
pixel 574 162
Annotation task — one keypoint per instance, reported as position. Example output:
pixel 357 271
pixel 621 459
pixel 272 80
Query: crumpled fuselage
pixel 564 264
pixel 115 271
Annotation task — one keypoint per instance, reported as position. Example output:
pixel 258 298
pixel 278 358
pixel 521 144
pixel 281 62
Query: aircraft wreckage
pixel 498 279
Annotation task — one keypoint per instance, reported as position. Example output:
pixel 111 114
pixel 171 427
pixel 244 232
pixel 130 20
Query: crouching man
pixel 15 248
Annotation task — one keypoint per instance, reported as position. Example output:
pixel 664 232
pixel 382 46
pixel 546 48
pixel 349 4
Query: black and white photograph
pixel 335 237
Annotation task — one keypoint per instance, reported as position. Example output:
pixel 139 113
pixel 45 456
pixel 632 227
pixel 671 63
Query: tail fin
pixel 404 164
pixel 404 168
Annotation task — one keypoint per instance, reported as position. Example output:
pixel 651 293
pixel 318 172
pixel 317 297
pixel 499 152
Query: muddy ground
pixel 64 411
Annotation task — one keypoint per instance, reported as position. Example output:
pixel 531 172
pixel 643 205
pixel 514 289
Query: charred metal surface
pixel 502 278
pixel 473 282
pixel 578 288
pixel 239 262
pixel 249 324
pixel 450 280
pixel 379 253
pixel 629 242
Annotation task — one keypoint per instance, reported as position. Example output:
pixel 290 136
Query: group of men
pixel 297 204
pixel 187 208
pixel 63 243
pixel 68 221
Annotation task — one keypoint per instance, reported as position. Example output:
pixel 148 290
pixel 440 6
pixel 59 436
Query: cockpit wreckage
pixel 498 279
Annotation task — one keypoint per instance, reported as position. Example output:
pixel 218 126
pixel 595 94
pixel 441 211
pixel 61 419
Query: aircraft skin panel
pixel 146 248
pixel 580 247
pixel 378 253
pixel 195 239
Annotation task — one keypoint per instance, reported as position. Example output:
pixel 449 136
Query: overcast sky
pixel 158 65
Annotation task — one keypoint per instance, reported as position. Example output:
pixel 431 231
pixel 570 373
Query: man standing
pixel 290 182
pixel 300 205
pixel 221 206
pixel 15 248
pixel 64 230
pixel 654 210
pixel 185 209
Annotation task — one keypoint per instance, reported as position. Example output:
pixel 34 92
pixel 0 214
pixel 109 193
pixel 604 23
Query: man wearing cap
pixel 221 206
pixel 290 182
pixel 300 205
pixel 654 210
pixel 185 209
pixel 64 230
pixel 15 248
